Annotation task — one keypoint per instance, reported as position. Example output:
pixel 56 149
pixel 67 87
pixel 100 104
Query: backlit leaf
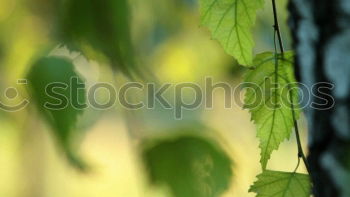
pixel 268 100
pixel 282 184
pixel 231 22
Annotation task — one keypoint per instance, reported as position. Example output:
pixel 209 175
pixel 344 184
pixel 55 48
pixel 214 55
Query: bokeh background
pixel 170 44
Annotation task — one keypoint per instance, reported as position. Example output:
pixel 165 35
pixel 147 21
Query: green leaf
pixel 50 83
pixel 230 22
pixel 269 102
pixel 282 184
pixel 101 24
pixel 190 166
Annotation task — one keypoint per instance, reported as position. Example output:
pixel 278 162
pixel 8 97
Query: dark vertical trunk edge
pixel 321 40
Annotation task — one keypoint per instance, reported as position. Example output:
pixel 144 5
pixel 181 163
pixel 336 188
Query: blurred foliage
pixel 98 28
pixel 61 114
pixel 102 24
pixel 188 165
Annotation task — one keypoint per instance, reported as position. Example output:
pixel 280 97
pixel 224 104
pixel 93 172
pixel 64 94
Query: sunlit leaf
pixel 282 184
pixel 268 100
pixel 50 80
pixel 189 166
pixel 231 22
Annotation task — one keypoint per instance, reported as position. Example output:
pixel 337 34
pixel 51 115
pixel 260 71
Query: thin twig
pixel 300 148
pixel 280 42
pixel 276 26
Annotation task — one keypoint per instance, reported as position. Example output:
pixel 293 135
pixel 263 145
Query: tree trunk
pixel 321 40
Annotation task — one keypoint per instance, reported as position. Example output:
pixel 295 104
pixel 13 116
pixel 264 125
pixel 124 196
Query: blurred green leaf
pixel 102 25
pixel 268 100
pixel 282 184
pixel 230 22
pixel 190 166
pixel 50 80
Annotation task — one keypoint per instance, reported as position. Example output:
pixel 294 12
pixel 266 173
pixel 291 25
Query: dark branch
pixel 280 42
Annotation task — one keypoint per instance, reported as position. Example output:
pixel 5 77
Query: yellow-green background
pixel 171 44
